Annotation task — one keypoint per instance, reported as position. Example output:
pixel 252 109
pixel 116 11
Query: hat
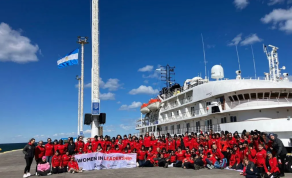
pixel 271 134
pixel 268 152
pixel 44 157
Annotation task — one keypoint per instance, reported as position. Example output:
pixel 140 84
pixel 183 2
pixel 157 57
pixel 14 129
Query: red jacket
pixel 49 149
pixel 212 159
pixel 150 154
pixel 137 145
pixel 162 145
pixel 188 155
pixel 251 156
pixel 234 159
pixel 86 146
pixel 190 144
pixel 185 140
pixel 273 162
pixel 165 155
pixel 79 144
pixel 65 160
pixel 261 158
pixel 56 161
pixel 73 164
pixel 141 155
pixel 223 145
pixel 62 149
pixel 205 152
pixel 89 151
pixel 172 159
pixel 121 146
pixel 39 152
pixel 147 141
pixel 188 160
pixel 153 143
pixel 180 156
pixel 171 145
pixel 55 148
pixel 94 145
pixel 217 153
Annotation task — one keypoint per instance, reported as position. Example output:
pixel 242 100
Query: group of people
pixel 257 154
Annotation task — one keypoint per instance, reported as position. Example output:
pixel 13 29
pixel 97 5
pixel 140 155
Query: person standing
pixel 49 150
pixel 281 152
pixel 39 153
pixel 71 147
pixel 28 151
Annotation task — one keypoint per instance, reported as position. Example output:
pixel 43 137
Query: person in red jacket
pixel 170 159
pixel 116 150
pixel 49 150
pixel 147 141
pixel 137 144
pixel 56 163
pixel 80 151
pixel 273 169
pixel 89 149
pixel 141 154
pixel 39 153
pixel 94 143
pixel 234 162
pixel 153 142
pixel 65 159
pixel 261 159
pixel 186 139
pixel 170 145
pixel 125 140
pixel 188 163
pixel 55 145
pixel 73 166
pixel 250 153
pixel 121 145
pixel 87 144
pixel 108 149
pixel 79 144
pixel 61 147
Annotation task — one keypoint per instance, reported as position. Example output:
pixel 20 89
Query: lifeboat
pixel 154 104
pixel 144 109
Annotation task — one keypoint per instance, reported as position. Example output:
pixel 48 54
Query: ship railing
pixel 183 115
pixel 257 102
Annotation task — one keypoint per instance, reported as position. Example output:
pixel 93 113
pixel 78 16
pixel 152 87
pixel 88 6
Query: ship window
pixel 172 129
pixel 233 119
pixel 208 103
pixel 260 95
pixel 266 95
pixel 283 95
pixel 274 95
pixel 290 95
pixel 223 120
pixel 166 128
pixel 177 112
pixel 230 98
pixel 246 96
pixel 198 124
pixel 253 96
pixel 240 97
pixel 175 103
pixel 215 109
pixel 235 98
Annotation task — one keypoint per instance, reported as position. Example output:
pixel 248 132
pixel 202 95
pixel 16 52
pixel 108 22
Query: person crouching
pixel 73 166
pixel 43 168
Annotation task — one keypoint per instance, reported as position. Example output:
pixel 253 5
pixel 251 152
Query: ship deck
pixel 12 165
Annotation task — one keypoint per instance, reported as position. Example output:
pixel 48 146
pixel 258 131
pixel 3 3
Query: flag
pixel 69 60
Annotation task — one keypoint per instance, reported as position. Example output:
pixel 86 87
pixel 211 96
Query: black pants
pixel 239 166
pixel 261 170
pixel 28 164
pixel 57 170
pixel 282 166
pixel 169 151
pixel 37 162
pixel 43 173
pixel 65 169
pixel 147 164
pixel 161 163
pixel 275 174
pixel 188 165
pixel 177 164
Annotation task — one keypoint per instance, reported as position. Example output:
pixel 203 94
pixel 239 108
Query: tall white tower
pixel 95 70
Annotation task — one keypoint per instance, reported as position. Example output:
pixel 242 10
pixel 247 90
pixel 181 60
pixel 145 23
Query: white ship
pixel 224 104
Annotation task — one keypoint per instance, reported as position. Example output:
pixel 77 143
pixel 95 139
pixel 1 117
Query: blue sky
pixel 39 100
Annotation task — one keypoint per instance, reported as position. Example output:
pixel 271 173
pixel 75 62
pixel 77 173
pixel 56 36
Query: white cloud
pixel 235 40
pixel 118 102
pixel 108 128
pixel 14 47
pixel 253 38
pixel 111 84
pixel 107 96
pixel 144 90
pixel 240 4
pixel 273 2
pixel 134 105
pixel 71 134
pixel 127 127
pixel 87 131
pixel 147 68
pixel 146 81
pixel 280 18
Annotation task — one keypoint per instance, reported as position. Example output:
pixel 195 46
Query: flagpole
pixel 79 83
pixel 82 41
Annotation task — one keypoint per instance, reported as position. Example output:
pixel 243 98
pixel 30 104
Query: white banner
pixel 99 161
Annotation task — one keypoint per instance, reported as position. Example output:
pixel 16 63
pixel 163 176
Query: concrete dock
pixel 12 165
